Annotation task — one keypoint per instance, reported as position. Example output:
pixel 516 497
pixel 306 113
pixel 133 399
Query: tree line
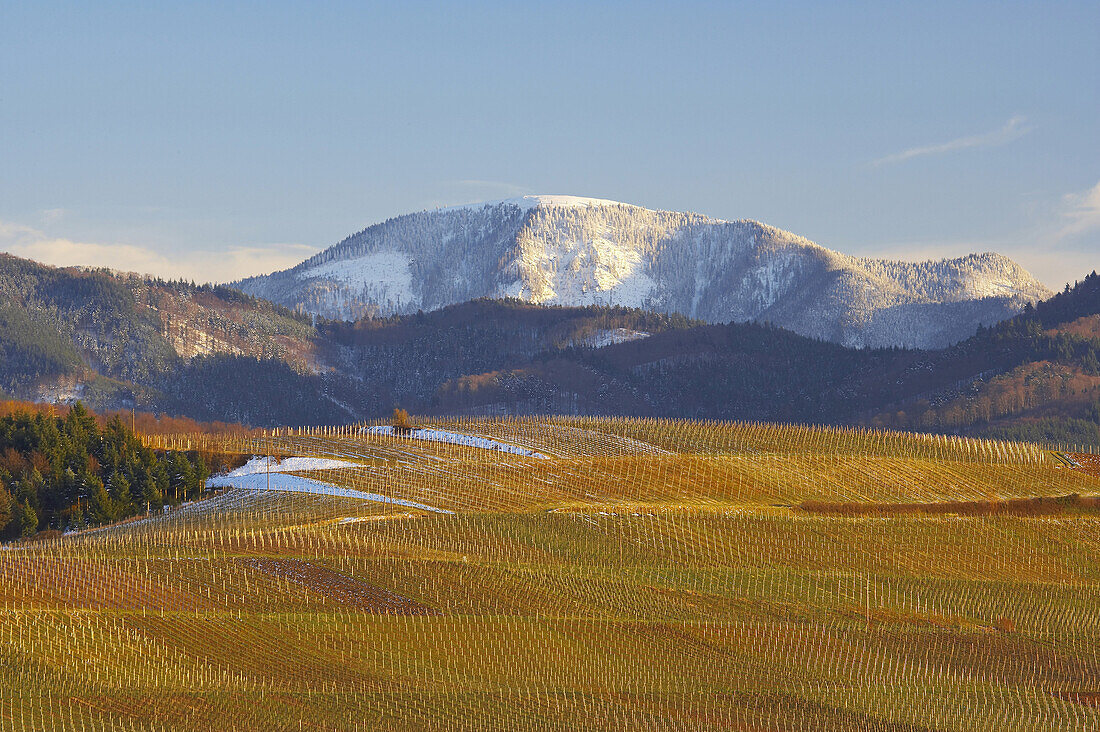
pixel 68 472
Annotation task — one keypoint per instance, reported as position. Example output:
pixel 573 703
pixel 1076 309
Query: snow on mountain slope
pixel 603 338
pixel 380 277
pixel 567 250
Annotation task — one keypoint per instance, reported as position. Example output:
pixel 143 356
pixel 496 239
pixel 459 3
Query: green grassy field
pixel 633 574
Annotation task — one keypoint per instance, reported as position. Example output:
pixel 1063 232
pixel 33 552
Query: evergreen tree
pixel 120 495
pixel 76 517
pixel 5 505
pixel 27 518
pixel 100 505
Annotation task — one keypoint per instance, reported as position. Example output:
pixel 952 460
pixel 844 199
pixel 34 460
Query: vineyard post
pixel 868 595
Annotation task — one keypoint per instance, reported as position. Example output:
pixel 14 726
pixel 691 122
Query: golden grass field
pixel 635 574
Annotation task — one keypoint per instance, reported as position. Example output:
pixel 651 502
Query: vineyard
pixel 528 574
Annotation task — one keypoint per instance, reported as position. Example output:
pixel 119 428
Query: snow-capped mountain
pixel 578 251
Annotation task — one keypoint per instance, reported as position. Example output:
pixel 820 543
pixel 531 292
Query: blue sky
pixel 214 140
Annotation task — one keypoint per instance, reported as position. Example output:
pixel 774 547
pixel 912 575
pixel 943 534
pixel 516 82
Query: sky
pixel 217 140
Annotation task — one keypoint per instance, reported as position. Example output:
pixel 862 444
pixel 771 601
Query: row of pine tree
pixel 67 472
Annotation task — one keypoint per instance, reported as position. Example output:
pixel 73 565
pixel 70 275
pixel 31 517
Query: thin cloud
pixel 1014 129
pixel 225 265
pixel 1081 212
pixel 53 215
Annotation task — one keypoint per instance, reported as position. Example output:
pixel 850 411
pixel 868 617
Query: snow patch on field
pixel 456 438
pixel 296 484
pixel 288 465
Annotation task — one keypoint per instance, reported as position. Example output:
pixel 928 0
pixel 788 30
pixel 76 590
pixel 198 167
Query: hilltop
pixel 565 250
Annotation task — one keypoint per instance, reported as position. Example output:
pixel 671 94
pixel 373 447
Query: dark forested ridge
pixel 214 354
pixel 124 341
pixel 69 472
pixel 1035 376
pixel 211 353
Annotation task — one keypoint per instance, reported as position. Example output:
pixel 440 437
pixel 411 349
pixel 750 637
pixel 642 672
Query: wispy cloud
pixel 224 265
pixel 1013 129
pixel 53 215
pixel 1081 213
pixel 1069 246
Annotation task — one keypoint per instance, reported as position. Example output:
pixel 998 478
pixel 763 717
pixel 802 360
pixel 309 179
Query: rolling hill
pixel 574 574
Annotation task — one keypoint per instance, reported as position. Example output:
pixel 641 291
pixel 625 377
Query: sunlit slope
pixel 670 466
pixel 627 574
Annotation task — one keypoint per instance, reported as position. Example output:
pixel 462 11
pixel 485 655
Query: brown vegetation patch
pixel 1085 462
pixel 1034 389
pixel 1087 326
pixel 340 587
pixel 1084 698
pixel 142 422
pixel 1039 506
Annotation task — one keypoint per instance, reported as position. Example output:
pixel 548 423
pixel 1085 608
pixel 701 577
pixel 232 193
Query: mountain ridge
pixel 580 251
pixel 213 353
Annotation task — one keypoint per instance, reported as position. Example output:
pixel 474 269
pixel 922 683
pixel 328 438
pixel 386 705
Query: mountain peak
pixel 571 250
pixel 533 200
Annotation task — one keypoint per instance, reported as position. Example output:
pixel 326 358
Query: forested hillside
pixel 1036 376
pixel 68 472
pixel 405 359
pixel 121 341
pixel 63 327
pixel 210 353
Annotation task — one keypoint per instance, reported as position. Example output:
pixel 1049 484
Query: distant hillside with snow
pixel 215 354
pixel 566 250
